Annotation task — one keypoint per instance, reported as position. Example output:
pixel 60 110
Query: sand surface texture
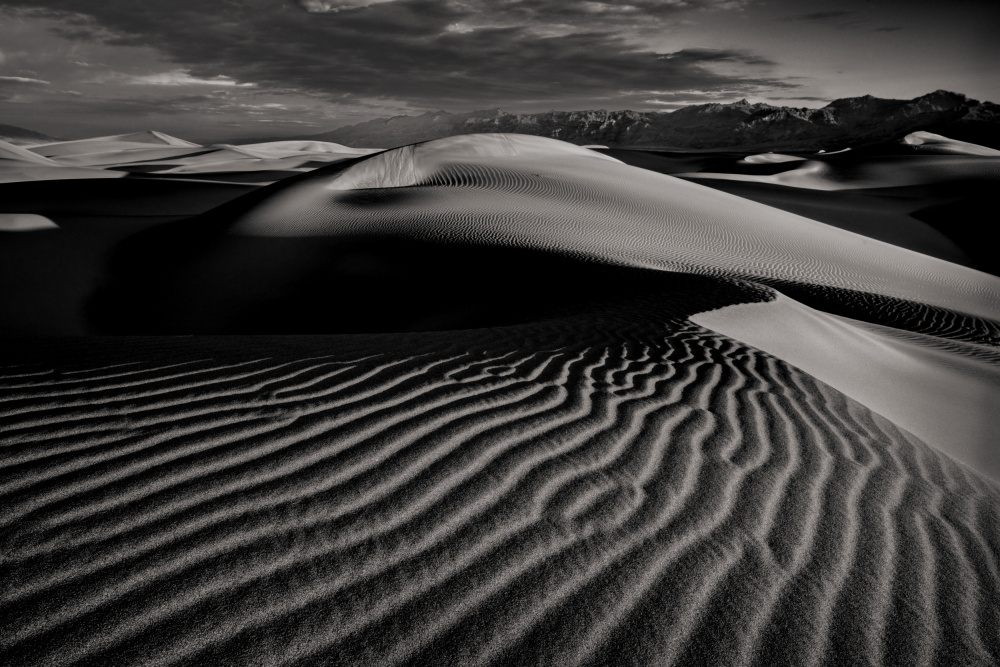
pixel 490 400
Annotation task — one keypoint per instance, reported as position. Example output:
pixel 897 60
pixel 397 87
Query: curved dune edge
pixel 945 393
pixel 24 222
pixel 9 151
pixel 874 172
pixel 771 158
pixel 928 142
pixel 418 163
pixel 15 171
pixel 291 148
pixel 667 497
pixel 118 142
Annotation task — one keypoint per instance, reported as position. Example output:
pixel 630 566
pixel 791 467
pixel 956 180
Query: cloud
pixel 331 6
pixel 24 79
pixel 706 56
pixel 820 16
pixel 455 54
pixel 889 28
pixel 284 122
pixel 803 98
pixel 181 77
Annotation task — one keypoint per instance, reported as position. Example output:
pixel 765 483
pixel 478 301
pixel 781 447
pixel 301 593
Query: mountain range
pixel 852 121
pixel 847 122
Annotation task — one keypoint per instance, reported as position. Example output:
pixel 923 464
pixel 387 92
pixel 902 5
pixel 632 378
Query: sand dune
pixel 928 142
pixel 119 142
pixel 24 222
pixel 291 148
pixel 889 171
pixel 155 152
pixel 20 164
pixel 559 411
pixel 596 207
pixel 772 158
pixel 15 171
pixel 885 214
pixel 945 392
pixel 123 157
pixel 558 494
pixel 9 151
pixel 227 159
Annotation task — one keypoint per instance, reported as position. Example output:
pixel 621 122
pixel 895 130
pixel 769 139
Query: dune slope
pixel 609 488
pixel 928 142
pixel 523 433
pixel 945 392
pixel 499 192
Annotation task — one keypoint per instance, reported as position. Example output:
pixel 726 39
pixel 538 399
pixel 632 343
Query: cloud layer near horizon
pixel 349 58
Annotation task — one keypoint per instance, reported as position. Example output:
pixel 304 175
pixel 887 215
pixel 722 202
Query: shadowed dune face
pixel 357 285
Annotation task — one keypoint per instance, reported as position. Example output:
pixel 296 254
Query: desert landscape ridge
pixel 496 399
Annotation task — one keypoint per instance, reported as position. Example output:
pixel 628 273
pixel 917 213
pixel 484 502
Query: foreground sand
pixel 558 410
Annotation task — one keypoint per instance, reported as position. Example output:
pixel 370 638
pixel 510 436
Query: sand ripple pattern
pixel 671 499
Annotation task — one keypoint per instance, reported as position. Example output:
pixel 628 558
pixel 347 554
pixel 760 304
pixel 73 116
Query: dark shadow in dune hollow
pixel 193 277
pixel 968 217
pixel 178 280
pixel 126 196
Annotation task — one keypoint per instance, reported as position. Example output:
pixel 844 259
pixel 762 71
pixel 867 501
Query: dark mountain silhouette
pixel 852 121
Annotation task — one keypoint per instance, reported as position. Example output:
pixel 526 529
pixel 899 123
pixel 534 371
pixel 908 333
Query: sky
pixel 207 70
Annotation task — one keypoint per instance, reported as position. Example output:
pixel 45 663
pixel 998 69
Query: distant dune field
pixel 496 400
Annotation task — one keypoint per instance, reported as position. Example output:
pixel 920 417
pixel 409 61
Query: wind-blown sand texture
pixel 554 409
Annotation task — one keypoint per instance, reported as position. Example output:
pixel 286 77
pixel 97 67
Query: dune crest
pixel 9 151
pixel 413 165
pixel 111 143
pixel 289 148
